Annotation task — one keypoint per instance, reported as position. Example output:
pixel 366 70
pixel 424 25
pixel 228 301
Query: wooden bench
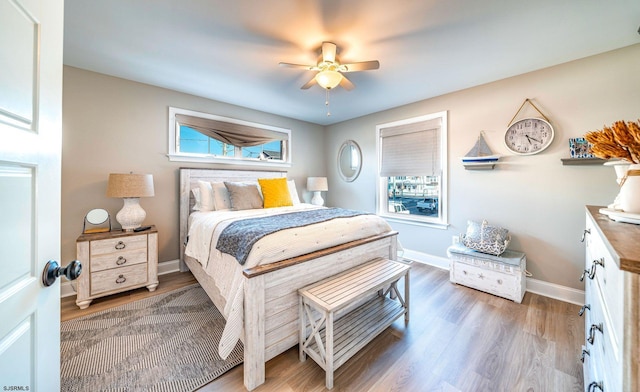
pixel 341 314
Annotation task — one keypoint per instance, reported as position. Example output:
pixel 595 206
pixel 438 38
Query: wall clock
pixel 528 136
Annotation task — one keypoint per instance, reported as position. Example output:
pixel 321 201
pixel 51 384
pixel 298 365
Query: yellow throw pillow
pixel 275 192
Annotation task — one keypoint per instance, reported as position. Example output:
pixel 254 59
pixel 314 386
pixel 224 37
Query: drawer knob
pixel 584 234
pixel 592 332
pixel 583 309
pixel 121 260
pixel 585 352
pixel 594 265
pixel 121 245
pixel 584 273
pixel 595 386
pixel 121 279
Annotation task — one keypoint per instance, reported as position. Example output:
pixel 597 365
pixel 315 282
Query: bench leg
pixel 406 296
pixel 329 351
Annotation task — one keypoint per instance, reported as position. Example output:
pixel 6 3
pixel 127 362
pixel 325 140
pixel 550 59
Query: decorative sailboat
pixel 480 157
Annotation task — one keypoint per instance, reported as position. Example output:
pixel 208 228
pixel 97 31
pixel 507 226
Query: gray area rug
pixel 168 342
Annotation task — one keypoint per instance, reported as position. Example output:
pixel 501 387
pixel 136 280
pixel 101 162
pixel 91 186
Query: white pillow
pixel 221 199
pixel 293 192
pixel 196 196
pixel 206 196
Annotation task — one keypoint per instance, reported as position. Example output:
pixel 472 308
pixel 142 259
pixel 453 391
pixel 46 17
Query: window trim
pixel 176 156
pixel 381 195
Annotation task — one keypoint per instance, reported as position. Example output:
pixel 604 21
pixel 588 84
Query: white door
pixel 30 148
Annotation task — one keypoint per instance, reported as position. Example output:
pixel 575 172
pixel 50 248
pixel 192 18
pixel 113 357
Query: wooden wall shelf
pixel 583 161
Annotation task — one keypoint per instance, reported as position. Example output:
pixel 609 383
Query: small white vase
pixel 630 190
pixel 621 168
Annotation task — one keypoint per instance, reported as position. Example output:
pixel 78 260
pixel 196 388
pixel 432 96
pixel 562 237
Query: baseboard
pixel 434 261
pixel 66 290
pixel 551 290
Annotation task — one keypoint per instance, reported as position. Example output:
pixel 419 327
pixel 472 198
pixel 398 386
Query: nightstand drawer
pixel 118 259
pixel 121 244
pixel 118 279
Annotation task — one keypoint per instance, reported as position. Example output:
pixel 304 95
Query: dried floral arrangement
pixel 621 140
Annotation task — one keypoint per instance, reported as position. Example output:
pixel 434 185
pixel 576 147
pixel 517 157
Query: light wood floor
pixel 458 339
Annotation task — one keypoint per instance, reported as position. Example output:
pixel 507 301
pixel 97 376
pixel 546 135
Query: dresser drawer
pixel 114 245
pixel 118 279
pixel 118 259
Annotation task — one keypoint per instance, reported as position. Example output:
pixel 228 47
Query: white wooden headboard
pixel 189 178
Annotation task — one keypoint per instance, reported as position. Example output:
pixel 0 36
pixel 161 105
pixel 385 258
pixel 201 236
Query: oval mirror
pixel 97 216
pixel 349 160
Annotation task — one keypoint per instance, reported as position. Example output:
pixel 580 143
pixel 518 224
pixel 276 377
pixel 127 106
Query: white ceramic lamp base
pixel 131 215
pixel 317 199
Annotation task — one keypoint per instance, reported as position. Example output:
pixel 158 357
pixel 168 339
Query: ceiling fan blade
pixel 329 52
pixel 299 66
pixel 360 66
pixel 309 83
pixel 346 84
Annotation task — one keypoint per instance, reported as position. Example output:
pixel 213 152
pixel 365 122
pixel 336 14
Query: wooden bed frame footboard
pixel 271 290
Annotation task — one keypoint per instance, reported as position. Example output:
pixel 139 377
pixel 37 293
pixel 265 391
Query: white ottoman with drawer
pixel 502 275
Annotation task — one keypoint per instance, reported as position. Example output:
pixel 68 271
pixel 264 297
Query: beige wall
pixel 536 197
pixel 112 125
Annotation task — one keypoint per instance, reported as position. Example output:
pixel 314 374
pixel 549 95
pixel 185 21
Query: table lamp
pixel 317 185
pixel 131 187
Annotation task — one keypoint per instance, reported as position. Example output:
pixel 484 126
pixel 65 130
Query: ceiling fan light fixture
pixel 328 79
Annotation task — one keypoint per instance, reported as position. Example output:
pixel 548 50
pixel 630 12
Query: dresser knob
pixel 594 386
pixel 121 260
pixel 584 234
pixel 121 279
pixel 583 309
pixel 594 265
pixel 121 245
pixel 584 273
pixel 592 332
pixel 585 352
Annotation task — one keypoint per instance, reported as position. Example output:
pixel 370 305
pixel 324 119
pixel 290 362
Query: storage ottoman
pixel 502 275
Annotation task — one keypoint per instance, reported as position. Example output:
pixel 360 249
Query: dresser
pixel 611 351
pixel 116 261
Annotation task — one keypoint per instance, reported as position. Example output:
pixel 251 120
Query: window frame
pixel 176 156
pixel 382 198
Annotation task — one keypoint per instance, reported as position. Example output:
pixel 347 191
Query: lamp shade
pixel 328 79
pixel 317 184
pixel 130 185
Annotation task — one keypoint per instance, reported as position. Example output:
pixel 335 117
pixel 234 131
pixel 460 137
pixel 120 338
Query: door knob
pixel 53 270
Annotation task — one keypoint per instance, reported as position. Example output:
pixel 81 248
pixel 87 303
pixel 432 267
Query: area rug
pixel 168 342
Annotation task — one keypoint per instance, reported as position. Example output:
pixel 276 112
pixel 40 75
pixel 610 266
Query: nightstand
pixel 116 261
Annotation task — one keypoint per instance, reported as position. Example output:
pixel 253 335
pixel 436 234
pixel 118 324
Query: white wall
pixel 537 198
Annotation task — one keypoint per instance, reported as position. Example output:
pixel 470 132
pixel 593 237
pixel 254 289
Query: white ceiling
pixel 229 50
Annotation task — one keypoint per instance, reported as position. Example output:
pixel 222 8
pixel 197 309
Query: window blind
pixel 231 133
pixel 411 149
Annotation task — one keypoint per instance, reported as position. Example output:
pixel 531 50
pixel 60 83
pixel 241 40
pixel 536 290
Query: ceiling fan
pixel 330 71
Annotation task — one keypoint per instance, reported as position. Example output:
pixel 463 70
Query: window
pixel 202 137
pixel 412 167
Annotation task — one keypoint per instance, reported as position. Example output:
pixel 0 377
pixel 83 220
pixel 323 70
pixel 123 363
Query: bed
pixel 268 299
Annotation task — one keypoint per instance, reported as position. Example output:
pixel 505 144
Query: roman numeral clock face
pixel 528 136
